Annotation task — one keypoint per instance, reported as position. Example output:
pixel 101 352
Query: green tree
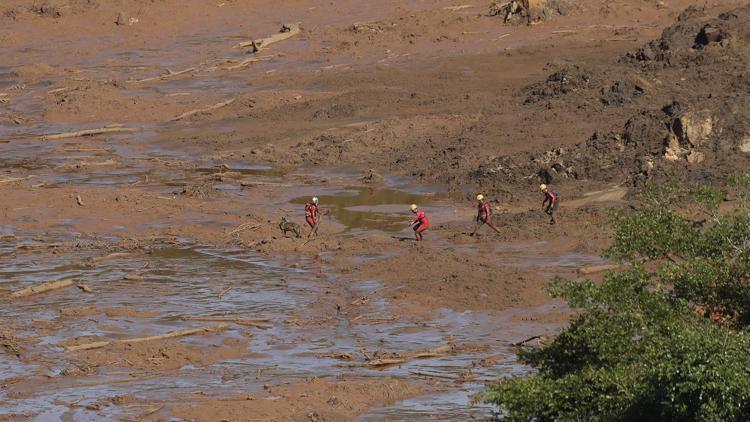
pixel 665 337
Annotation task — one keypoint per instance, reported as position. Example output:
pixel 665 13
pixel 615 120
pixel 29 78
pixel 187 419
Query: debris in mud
pixel 384 359
pixel 170 74
pixel 10 343
pixel 42 288
pixel 530 11
pixel 193 112
pixel 172 334
pixel 122 19
pixel 569 79
pixel 89 132
pixel 371 177
pixel 696 137
pixel 253 322
pixel 287 31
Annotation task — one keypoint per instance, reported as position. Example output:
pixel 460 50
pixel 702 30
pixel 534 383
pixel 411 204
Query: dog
pixel 288 226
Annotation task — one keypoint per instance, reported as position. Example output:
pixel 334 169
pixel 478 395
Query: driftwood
pixel 85 288
pixel 244 227
pixel 253 322
pixel 38 246
pixel 287 31
pixel 170 74
pixel 41 288
pixel 249 61
pixel 79 201
pixel 223 292
pixel 89 132
pixel 438 351
pixel 374 320
pixel 171 334
pixel 114 255
pixel 540 340
pixel 202 110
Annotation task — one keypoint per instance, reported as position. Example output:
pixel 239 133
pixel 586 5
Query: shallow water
pixel 186 280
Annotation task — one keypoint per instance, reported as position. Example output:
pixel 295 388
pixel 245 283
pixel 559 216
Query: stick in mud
pixel 244 227
pixel 248 61
pixel 41 288
pixel 88 132
pixel 436 352
pixel 288 31
pixel 168 75
pixel 254 322
pixel 171 334
pixel 202 110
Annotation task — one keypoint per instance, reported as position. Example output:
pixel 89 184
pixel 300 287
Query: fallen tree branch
pixel 223 292
pixel 88 132
pixel 521 343
pixel 171 334
pixel 41 288
pixel 436 352
pixel 165 76
pixel 85 288
pixel 248 61
pixel 244 227
pixel 287 31
pixel 202 110
pixel 254 322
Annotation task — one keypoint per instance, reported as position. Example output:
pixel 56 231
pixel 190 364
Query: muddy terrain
pixel 150 149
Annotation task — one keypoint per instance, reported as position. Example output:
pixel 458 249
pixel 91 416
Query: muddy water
pixel 185 281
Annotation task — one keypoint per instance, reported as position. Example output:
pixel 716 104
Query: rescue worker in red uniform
pixel 551 201
pixel 312 216
pixel 484 215
pixel 420 222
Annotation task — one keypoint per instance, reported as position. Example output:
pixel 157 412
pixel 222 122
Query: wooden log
pixel 171 334
pixel 254 322
pixel 88 132
pixel 248 61
pixel 85 288
pixel 202 110
pixel 436 352
pixel 41 288
pixel 291 30
pixel 170 74
pixel 223 292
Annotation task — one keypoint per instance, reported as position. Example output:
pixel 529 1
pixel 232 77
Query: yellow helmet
pixel 542 187
pixel 480 197
pixel 413 207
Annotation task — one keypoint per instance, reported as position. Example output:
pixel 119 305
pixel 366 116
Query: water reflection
pixel 369 208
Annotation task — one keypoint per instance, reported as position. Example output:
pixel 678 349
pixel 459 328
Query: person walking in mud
pixel 420 222
pixel 312 216
pixel 551 201
pixel 484 215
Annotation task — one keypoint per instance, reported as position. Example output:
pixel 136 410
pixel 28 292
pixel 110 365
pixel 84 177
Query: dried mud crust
pixel 701 135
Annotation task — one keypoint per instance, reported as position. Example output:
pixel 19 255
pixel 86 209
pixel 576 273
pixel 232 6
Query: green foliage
pixel 664 338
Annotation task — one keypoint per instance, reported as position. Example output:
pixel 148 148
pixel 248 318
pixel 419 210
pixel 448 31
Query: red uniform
pixel 422 222
pixel 484 212
pixel 311 214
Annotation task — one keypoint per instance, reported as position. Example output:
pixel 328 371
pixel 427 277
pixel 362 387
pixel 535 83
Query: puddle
pixel 364 208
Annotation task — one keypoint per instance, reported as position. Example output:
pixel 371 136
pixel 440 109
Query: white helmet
pixel 315 200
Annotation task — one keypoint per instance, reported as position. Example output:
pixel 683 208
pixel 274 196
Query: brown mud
pixel 164 211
